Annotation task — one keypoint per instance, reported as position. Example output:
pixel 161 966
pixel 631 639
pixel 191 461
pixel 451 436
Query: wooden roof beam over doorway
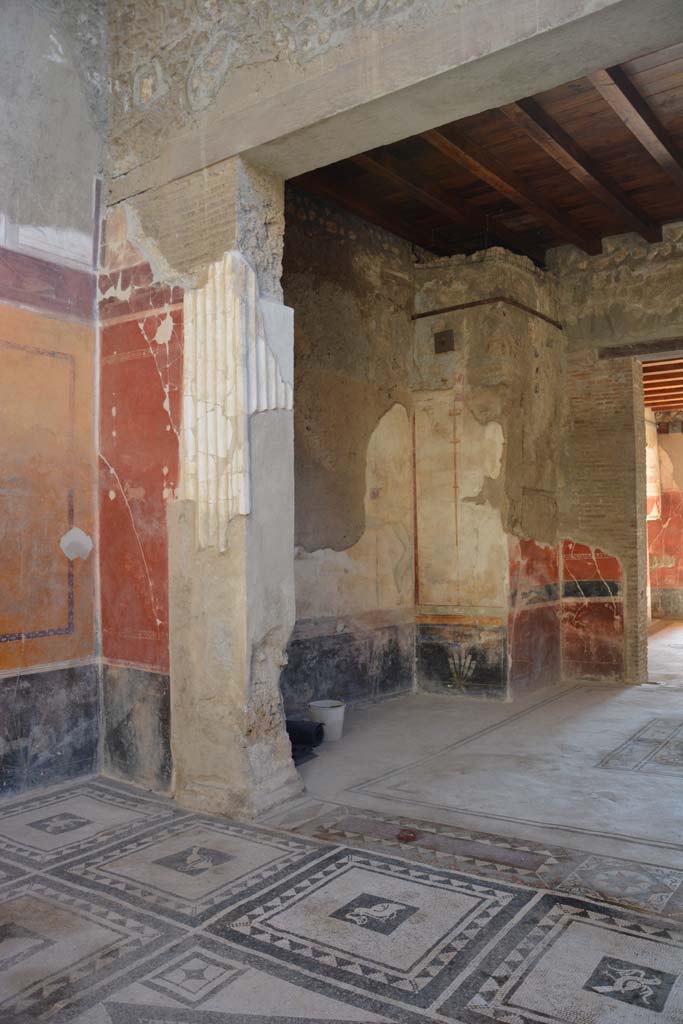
pixel 483 165
pixel 616 88
pixel 541 129
pixel 464 214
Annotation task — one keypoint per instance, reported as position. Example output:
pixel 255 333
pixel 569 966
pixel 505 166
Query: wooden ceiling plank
pixel 483 165
pixel 664 373
pixel 541 129
pixel 656 364
pixel 464 214
pixel 616 88
pixel 649 384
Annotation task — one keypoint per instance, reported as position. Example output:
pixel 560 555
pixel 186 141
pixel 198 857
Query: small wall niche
pixel 444 341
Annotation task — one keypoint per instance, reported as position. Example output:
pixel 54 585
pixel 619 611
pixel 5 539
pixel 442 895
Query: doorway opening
pixel 663 397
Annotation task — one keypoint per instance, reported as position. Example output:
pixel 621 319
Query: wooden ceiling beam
pixel 464 214
pixel 541 129
pixel 656 347
pixel 666 396
pixel 619 91
pixel 479 162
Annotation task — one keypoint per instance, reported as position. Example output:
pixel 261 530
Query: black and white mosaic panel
pixel 656 748
pixel 567 961
pixel 201 980
pixel 69 821
pixel 191 868
pixel 57 945
pixel 387 927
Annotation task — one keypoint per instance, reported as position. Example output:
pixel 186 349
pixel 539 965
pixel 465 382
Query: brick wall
pixel 603 488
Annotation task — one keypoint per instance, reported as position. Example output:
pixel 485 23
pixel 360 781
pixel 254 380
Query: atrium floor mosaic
pixel 117 907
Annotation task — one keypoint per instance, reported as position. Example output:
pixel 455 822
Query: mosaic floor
pixel 116 907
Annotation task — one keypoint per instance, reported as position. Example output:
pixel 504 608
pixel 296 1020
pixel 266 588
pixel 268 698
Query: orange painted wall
pixel 48 480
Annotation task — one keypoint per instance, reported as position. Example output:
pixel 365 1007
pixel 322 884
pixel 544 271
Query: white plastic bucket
pixel 331 714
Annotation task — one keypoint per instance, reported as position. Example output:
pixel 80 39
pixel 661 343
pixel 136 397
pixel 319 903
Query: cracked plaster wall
pixel 487 441
pixel 631 292
pixel 486 425
pixel 351 288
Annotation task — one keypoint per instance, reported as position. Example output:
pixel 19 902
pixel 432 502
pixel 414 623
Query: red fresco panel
pixel 665 543
pixel 140 409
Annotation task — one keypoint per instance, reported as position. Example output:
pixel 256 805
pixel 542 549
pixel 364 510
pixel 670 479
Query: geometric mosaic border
pixel 645 887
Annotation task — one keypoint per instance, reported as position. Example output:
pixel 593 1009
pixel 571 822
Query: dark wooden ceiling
pixel 595 157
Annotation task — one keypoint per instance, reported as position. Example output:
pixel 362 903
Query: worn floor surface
pixel 665 651
pixel 117 907
pixel 590 767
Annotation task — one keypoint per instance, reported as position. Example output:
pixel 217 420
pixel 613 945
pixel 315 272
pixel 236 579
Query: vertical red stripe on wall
pixel 140 410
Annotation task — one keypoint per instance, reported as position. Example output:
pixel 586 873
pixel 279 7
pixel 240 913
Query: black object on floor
pixel 300 755
pixel 304 736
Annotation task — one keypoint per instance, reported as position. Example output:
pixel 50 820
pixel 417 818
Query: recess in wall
pixel 444 341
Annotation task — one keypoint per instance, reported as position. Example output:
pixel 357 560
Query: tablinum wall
pixel 524 531
pixel 427 483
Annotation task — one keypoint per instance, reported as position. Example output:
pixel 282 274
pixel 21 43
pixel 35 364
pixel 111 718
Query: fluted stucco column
pixel 231 548
pixel 231 528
